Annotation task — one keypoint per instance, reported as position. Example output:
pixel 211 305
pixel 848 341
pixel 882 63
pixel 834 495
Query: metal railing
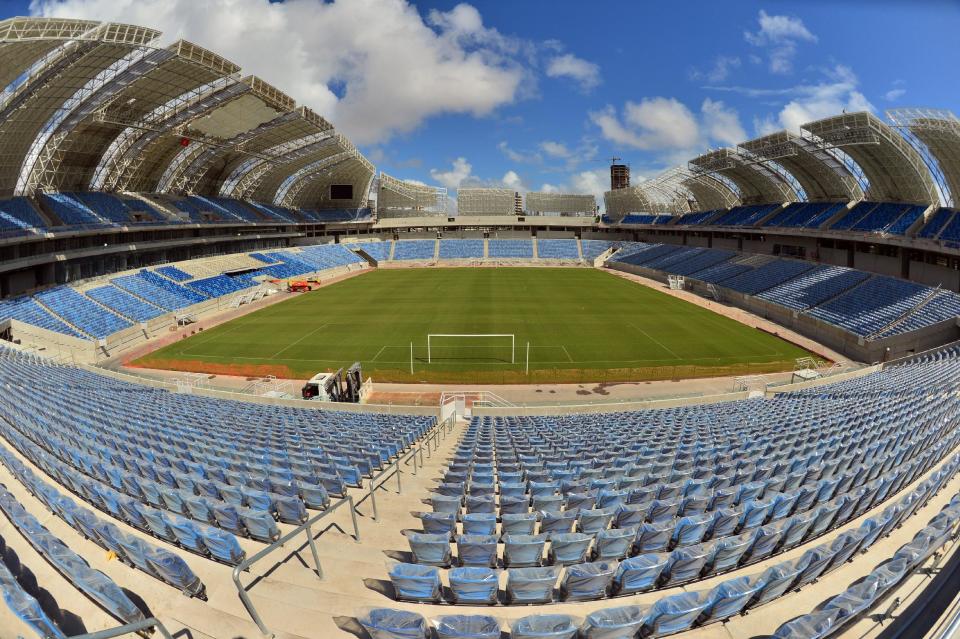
pixel 394 469
pixel 308 529
pixel 126 629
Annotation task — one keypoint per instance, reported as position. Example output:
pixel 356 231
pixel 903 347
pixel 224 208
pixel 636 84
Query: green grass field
pixel 581 324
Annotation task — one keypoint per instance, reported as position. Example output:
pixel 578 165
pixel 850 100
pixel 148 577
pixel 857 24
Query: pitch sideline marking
pixel 291 345
pixel 655 340
pixel 568 353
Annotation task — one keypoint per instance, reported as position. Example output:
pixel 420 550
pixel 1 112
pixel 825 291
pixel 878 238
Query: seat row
pixel 670 614
pixel 153 560
pixel 835 614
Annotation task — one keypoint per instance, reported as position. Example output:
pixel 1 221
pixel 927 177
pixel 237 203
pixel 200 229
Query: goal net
pixel 471 347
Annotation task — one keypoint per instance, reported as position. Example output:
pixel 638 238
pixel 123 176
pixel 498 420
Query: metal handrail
pixel 305 527
pixel 126 629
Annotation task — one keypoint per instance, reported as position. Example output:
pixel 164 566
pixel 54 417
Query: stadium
pixel 253 386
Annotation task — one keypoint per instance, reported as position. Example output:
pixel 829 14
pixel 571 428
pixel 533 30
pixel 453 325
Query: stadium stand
pixel 557 250
pixel 81 312
pixel 18 214
pixel 379 251
pixel 174 273
pixel 27 310
pixel 814 287
pixel 593 249
pixel 461 249
pixel 510 249
pixel 414 250
pixel 935 224
pixel 744 215
pixel 809 215
pixel 124 304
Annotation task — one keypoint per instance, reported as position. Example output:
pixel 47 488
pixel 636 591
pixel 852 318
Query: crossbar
pixel 305 527
pixel 513 342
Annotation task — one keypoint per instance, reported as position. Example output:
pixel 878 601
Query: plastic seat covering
pixel 386 623
pixel 415 582
pixel 531 585
pixel 174 571
pixel 479 524
pixel 675 613
pixel 731 597
pixel 621 622
pixel 544 627
pixel 636 574
pixel 474 585
pixel 467 627
pixel 812 626
pixel 569 548
pixel 523 550
pixel 587 581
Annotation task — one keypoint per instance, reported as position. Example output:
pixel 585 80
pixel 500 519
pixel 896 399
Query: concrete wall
pixel 835 256
pixel 726 243
pixel 933 275
pixel 877 263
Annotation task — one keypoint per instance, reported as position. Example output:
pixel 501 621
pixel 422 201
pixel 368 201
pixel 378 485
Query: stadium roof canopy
pixel 99 106
pixel 399 197
pixel 822 176
pixel 894 168
pixel 756 180
pixel 938 132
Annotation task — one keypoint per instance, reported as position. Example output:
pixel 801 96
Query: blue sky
pixel 539 94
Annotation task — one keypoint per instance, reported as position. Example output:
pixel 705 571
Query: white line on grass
pixel 291 345
pixel 377 356
pixel 567 352
pixel 654 340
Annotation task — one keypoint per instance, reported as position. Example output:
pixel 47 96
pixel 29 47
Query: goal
pixel 473 338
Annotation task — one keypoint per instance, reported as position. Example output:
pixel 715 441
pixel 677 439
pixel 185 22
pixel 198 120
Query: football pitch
pixel 580 325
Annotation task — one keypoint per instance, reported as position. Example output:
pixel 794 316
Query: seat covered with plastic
pixel 518 523
pixel 531 585
pixel 414 582
pixel 654 537
pixel 811 626
pixel 777 580
pixel 856 598
pixel 222 545
pixel 587 581
pixel 467 627
pixel 386 623
pixel 674 613
pixel 731 597
pixel 291 510
pixel 429 549
pixel 614 543
pixel 685 564
pixel 554 522
pixel 479 524
pixel 439 523
pixel 636 574
pixel 569 548
pixel 621 622
pixel 477 550
pixel 523 550
pixel 471 585
pixel 690 530
pixel 594 520
pixel 175 571
pixel 260 525
pixel 544 627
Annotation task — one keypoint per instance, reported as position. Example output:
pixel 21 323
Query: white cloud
pixel 722 67
pixel 894 94
pixel 511 180
pixel 549 188
pixel 721 123
pixel 652 123
pixel 585 74
pixel 665 124
pixel 459 172
pixel 594 182
pixel 373 68
pixel 839 93
pixel 780 35
pixel 521 157
pixel 555 149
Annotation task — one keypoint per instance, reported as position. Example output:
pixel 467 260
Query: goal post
pixel 432 336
